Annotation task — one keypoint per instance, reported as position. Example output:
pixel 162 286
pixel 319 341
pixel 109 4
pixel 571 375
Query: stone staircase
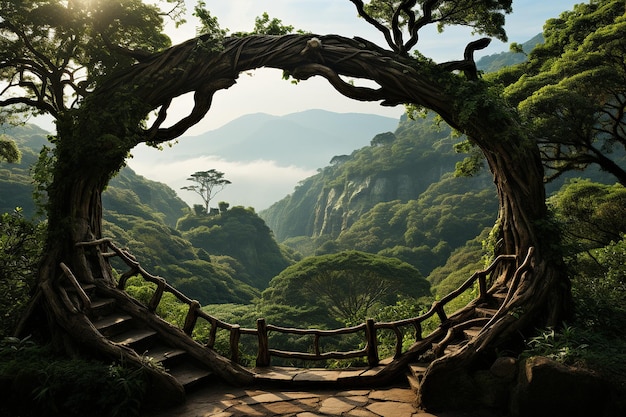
pixel 454 340
pixel 121 328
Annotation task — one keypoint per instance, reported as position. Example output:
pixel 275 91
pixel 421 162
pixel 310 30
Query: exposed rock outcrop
pixel 546 388
pixel 537 387
pixel 337 208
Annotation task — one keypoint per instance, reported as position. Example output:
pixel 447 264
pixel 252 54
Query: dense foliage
pixel 592 221
pixel 591 214
pixel 571 91
pixel 348 285
pixel 53 385
pixel 55 50
pixel 16 181
pixel 240 234
pixel 133 195
pixel 21 242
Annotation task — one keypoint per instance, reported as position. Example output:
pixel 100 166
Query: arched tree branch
pixel 467 65
pixel 360 7
pixel 357 93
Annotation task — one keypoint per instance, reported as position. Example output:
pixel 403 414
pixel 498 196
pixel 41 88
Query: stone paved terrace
pixel 228 401
pixel 245 402
pixel 239 402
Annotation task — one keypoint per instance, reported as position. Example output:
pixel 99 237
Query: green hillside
pixel 16 188
pixel 494 62
pixel 396 197
pixel 240 234
pixel 132 194
pixel 400 168
pixel 141 215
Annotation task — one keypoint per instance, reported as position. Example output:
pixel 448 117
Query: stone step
pixel 418 368
pixel 113 324
pixel 451 349
pixel 101 307
pixel 189 374
pixel 164 354
pixel 102 302
pixel 414 383
pixel 89 289
pixel 472 332
pixel 485 312
pixel 138 339
pixel 416 374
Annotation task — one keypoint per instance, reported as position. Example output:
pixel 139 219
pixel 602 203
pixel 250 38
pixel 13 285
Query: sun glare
pixel 81 4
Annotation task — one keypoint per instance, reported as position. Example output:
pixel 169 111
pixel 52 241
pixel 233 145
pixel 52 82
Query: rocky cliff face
pixel 337 208
pixel 400 168
pixel 325 205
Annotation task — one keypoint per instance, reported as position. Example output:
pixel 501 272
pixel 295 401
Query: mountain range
pixel 308 139
pixel 264 156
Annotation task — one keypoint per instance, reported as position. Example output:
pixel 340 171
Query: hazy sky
pixel 265 91
pixel 261 183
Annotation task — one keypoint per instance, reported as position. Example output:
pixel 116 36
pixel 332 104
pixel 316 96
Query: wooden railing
pixel 369 329
pixel 86 302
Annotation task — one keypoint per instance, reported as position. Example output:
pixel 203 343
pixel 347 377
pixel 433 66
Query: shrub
pixel 38 383
pixel 21 242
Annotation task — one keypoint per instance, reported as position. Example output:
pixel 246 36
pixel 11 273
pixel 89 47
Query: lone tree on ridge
pixel 208 184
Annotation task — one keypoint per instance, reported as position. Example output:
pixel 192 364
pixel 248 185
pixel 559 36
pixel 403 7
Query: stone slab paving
pixel 277 373
pixel 227 401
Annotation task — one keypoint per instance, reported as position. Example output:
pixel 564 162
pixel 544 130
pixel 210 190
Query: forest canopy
pixel 349 284
pixel 571 92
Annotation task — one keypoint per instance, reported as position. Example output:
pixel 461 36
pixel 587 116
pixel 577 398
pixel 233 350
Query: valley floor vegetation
pixel 594 245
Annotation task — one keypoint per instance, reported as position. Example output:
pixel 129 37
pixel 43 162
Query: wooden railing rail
pixel 235 332
pixel 438 306
pixel 454 331
pixel 317 334
pixel 84 298
pixel 264 353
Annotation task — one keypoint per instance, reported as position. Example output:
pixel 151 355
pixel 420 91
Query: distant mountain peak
pixel 495 62
pixel 298 143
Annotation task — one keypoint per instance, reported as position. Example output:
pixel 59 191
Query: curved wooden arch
pixel 96 140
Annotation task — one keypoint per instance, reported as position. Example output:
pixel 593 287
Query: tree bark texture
pixel 94 142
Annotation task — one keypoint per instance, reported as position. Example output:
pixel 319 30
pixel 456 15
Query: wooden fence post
pixel 192 317
pixel 156 297
pixel 372 343
pixel 235 333
pixel 482 286
pixel 263 355
pixel 418 331
pixel 440 312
